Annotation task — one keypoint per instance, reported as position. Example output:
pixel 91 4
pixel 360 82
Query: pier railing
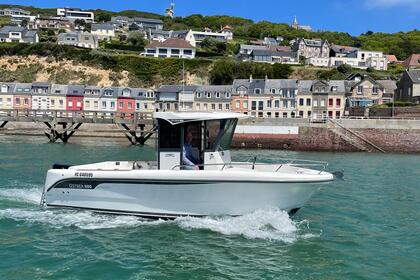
pixel 26 115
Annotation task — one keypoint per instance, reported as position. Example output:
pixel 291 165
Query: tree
pixel 212 45
pixel 281 71
pixel 222 73
pixel 344 69
pixel 80 23
pixel 24 23
pixel 136 39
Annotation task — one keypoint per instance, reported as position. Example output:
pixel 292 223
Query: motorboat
pixel 169 188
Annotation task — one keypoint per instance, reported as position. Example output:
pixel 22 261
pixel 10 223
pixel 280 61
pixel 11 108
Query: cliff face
pixel 28 69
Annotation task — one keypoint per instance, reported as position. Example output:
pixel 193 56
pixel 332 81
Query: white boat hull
pixel 185 193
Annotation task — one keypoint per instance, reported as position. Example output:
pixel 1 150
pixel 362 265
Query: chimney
pixel 250 78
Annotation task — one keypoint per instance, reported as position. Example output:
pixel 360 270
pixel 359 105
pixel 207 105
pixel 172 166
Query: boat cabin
pixel 189 140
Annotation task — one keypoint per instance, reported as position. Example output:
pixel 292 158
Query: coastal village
pixel 261 98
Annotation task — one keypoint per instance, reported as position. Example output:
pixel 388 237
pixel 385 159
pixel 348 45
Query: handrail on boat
pixel 308 163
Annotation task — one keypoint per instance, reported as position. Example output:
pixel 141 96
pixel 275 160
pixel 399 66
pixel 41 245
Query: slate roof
pixel 102 26
pixel 389 85
pixel 75 90
pixel 175 88
pixel 171 43
pixel 414 76
pixel 59 89
pixel 272 53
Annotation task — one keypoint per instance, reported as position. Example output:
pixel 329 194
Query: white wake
pixel 268 224
pixel 79 219
pixel 28 195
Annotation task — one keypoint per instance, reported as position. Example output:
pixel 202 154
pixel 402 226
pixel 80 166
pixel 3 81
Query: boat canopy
pixel 175 118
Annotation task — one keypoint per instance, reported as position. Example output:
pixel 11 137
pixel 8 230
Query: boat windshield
pixel 219 134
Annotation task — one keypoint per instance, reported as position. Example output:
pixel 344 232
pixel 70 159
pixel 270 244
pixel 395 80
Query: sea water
pixel 366 226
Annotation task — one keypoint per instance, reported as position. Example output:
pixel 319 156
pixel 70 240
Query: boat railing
pixel 322 165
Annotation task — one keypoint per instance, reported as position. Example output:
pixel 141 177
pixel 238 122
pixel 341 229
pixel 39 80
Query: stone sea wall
pixel 396 136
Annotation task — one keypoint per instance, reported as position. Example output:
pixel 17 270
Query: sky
pixel 352 16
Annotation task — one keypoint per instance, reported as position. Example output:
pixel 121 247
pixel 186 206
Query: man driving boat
pixel 188 157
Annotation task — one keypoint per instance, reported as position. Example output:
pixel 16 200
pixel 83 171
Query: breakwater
pixel 350 135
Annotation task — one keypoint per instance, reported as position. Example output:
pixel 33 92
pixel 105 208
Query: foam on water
pixel 67 218
pixel 269 224
pixel 28 195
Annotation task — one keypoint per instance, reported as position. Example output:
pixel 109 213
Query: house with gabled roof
pixel 172 47
pixel 412 62
pixel 409 86
pixel 18 34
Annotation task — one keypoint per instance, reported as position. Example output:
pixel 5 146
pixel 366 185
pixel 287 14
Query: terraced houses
pixel 260 98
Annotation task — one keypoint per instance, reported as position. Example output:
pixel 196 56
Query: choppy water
pixel 365 227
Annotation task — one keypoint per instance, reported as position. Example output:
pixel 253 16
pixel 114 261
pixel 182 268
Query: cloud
pixel 393 3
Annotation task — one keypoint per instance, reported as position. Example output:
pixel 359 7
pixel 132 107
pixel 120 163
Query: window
pixel 301 101
pixel 198 106
pixel 260 105
pixel 205 107
pixel 301 114
pixel 277 114
pixel 121 105
pixel 276 103
pixel 322 102
pixel 273 91
pixel 198 94
pixel 79 104
pixel 70 103
pixel 268 114
pixel 163 51
pixel 26 101
pixel 130 106
pixel 292 103
pixel 285 93
pixel 175 51
pixel 338 102
pixel 188 52
pixel 217 94
pixel 18 101
pixel 293 115
pixel 220 107
pixel 257 91
pixel 245 104
pixel 208 94
pixel 330 102
pixel 112 105
pixel 308 102
pixel 330 114
pixel 237 104
pixel 285 115
pixel 359 89
pixel 61 103
pixel 227 94
pixel 285 104
pixel 315 102
pixel 145 106
pixel 375 90
pixel 53 102
pixel 334 88
pixel 260 114
pixel 254 105
pixel 87 103
pixel 269 103
pixel 227 106
pixel 213 106
pixel 95 104
pixel 104 104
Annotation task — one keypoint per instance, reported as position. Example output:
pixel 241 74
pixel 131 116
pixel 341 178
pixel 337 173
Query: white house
pixel 18 34
pixel 78 39
pixel 175 48
pixel 103 31
pixel 76 13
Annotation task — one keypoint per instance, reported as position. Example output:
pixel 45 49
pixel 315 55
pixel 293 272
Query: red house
pixel 126 103
pixel 74 98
